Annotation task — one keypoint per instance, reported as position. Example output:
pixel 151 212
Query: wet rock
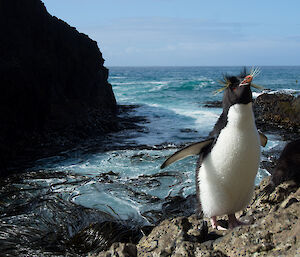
pixel 128 119
pixel 99 237
pixel 179 206
pixel 111 173
pixel 213 104
pixel 144 157
pixel 173 206
pixel 107 177
pixel 188 130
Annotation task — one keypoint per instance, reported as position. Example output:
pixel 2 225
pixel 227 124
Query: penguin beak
pixel 247 80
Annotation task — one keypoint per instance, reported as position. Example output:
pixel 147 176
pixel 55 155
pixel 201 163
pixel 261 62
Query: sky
pixel 187 32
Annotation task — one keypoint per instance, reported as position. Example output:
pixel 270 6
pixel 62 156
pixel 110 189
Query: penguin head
pixel 238 89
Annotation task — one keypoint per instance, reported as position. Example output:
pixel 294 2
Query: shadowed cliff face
pixel 52 79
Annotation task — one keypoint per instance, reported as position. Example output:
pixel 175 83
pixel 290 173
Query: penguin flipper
pixel 193 149
pixel 263 139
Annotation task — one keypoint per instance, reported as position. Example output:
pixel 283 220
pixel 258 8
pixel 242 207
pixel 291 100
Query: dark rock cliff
pixel 52 81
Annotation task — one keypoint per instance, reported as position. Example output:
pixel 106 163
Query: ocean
pixel 126 182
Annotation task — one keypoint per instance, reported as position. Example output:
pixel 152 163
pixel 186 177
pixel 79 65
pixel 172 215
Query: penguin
pixel 229 158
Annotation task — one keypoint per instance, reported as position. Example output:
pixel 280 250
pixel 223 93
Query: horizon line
pixel 182 66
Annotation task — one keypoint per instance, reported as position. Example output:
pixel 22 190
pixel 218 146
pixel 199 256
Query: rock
pixel 277 111
pixel 263 238
pixel 173 207
pixel 188 130
pixel 213 104
pixel 99 237
pixel 169 236
pixel 274 232
pixel 53 85
pixel 179 206
pixel 287 167
pixel 273 111
pixel 288 164
pixel 119 250
pixel 274 229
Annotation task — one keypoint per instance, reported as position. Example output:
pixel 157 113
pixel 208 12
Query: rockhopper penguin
pixel 229 159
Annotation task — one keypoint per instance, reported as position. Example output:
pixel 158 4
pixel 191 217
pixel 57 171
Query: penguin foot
pixel 215 224
pixel 233 222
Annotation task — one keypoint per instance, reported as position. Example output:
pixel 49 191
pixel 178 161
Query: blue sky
pixel 187 32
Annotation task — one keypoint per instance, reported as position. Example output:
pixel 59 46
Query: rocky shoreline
pixel 273 215
pixel 55 95
pixel 274 231
pixel 52 143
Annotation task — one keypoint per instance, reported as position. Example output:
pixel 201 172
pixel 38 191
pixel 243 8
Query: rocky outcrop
pixel 274 231
pixel 53 84
pixel 277 111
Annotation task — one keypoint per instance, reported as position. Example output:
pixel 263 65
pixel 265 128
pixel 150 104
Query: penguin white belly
pixel 227 174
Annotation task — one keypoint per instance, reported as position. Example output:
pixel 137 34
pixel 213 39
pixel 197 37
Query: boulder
pixel 277 111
